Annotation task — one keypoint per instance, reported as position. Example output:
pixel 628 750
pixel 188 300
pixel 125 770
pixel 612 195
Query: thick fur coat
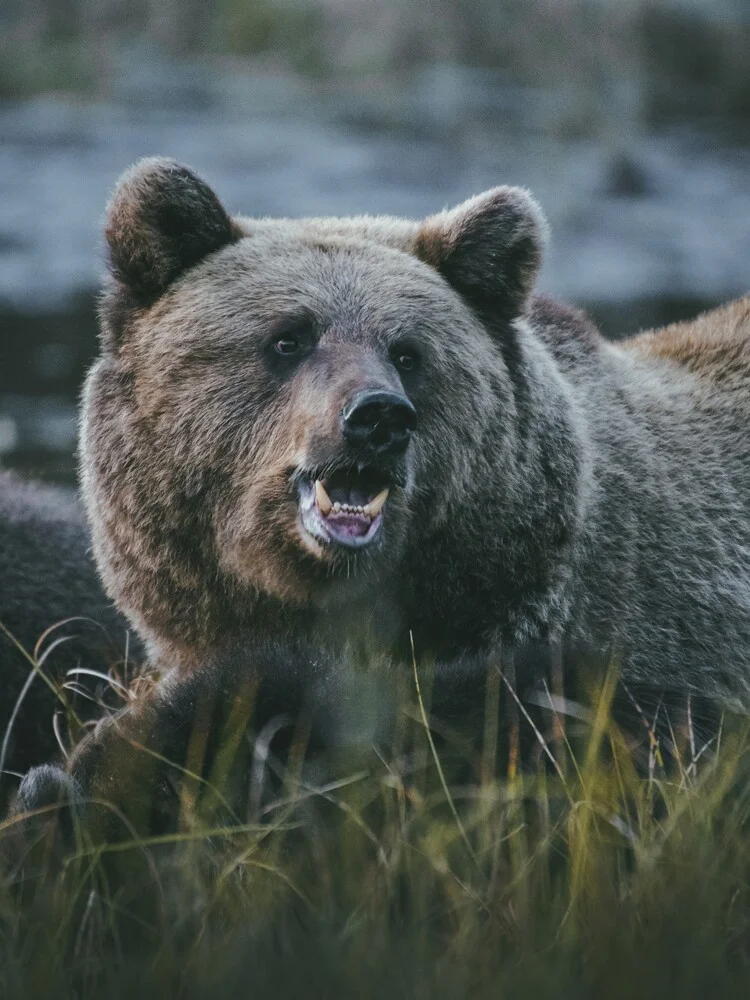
pixel 52 605
pixel 554 488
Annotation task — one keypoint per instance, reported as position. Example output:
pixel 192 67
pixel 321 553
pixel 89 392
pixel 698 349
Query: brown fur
pixel 715 345
pixel 556 488
pixel 177 373
pixel 51 601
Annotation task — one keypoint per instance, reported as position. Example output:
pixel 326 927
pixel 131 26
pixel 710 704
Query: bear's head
pixel 282 408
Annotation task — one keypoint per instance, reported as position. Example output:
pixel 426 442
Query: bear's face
pixel 282 408
pixel 317 401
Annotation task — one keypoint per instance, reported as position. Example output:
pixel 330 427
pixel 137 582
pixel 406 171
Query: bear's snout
pixel 379 421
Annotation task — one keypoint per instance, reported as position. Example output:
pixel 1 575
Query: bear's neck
pixel 620 524
pixel 356 631
pixel 505 570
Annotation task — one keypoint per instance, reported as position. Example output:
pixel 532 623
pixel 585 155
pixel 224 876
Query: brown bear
pixel 362 432
pixel 49 591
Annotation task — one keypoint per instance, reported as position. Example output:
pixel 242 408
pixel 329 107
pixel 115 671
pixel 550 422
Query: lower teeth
pixel 345 508
pixel 369 510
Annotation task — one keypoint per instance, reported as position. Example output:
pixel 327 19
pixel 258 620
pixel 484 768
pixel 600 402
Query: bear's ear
pixel 161 220
pixel 488 248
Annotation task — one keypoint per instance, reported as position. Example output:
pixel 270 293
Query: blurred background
pixel 629 120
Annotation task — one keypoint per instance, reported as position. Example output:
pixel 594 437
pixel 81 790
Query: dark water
pixel 646 228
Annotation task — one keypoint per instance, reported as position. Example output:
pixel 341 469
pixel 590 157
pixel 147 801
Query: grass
pixel 551 854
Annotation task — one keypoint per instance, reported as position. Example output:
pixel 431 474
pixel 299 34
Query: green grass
pixel 441 869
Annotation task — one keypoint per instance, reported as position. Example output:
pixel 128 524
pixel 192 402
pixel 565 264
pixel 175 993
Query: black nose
pixel 379 419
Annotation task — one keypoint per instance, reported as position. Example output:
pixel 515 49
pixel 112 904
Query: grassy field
pixel 567 857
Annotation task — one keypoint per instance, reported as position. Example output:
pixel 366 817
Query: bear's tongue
pixel 348 510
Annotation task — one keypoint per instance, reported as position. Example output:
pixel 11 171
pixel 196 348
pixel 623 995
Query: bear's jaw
pixel 349 501
pixel 344 509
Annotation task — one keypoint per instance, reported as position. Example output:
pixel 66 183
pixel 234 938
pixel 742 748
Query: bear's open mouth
pixel 344 507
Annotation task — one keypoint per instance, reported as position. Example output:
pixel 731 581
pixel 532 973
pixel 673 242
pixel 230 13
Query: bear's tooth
pixel 374 507
pixel 337 508
pixel 322 498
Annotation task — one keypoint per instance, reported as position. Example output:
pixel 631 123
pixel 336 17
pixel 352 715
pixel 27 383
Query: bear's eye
pixel 287 345
pixel 405 359
pixel 293 338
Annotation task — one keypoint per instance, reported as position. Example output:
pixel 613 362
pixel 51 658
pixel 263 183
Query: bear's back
pixel 715 346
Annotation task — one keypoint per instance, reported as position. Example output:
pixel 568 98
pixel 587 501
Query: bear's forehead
pixel 321 253
pixel 381 230
pixel 326 274
pixel 351 290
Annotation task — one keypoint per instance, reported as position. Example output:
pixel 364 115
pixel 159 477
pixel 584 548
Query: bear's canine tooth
pixel 324 501
pixel 374 507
